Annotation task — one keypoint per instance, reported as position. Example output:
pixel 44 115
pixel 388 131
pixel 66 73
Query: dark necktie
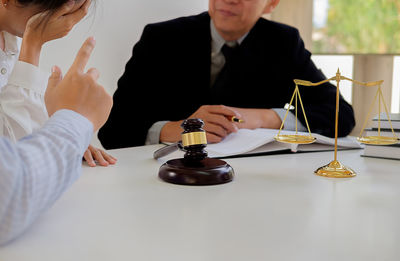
pixel 226 78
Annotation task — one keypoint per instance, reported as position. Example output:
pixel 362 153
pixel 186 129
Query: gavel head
pixel 194 140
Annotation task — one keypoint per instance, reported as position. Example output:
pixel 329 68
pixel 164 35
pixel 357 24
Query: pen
pixel 234 119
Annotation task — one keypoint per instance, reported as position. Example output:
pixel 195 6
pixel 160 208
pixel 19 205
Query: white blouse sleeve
pixel 22 107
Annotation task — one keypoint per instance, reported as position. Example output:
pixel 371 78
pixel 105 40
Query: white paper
pixel 247 141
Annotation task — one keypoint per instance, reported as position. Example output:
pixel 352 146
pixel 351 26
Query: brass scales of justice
pixel 335 169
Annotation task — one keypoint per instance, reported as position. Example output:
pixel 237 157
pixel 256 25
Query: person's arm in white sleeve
pixel 21 101
pixel 36 170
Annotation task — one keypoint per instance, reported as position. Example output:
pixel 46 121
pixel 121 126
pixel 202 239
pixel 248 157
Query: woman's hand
pixel 41 29
pixel 94 154
pixel 79 90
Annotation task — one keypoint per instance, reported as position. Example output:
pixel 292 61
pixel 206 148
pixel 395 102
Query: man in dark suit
pixel 216 65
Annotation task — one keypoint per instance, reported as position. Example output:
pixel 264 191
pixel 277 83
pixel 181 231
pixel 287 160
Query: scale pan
pixel 295 139
pixel 378 140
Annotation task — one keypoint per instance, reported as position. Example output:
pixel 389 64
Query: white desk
pixel 271 211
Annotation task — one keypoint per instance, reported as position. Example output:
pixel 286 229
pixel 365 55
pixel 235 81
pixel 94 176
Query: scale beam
pixel 335 169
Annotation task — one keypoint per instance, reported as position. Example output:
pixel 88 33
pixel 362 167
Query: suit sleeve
pixel 319 101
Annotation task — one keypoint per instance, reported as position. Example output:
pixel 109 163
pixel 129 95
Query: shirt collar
pixel 217 41
pixel 11 43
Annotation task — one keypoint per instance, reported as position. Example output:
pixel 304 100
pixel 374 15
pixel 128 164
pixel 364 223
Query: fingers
pixel 65 9
pixel 93 73
pixel 89 159
pixel 218 124
pixel 55 77
pixel 223 122
pixel 216 130
pixel 83 55
pixel 62 20
pixel 77 15
pixel 212 138
pixel 98 156
pixel 223 110
pixel 94 154
pixel 37 18
pixel 217 119
pixel 110 159
pixel 71 7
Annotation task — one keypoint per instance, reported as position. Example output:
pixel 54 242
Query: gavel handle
pixel 168 149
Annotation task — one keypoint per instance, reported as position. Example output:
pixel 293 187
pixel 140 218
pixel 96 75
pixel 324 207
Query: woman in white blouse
pixel 22 84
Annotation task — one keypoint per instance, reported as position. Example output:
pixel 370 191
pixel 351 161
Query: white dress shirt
pixel 22 88
pixel 38 168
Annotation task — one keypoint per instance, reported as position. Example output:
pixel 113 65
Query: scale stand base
pixel 335 170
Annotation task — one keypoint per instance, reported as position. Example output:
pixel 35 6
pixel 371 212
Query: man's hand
pixel 217 124
pixel 79 90
pixel 39 30
pixel 258 118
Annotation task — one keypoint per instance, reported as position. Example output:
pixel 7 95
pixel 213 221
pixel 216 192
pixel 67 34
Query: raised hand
pixel 79 90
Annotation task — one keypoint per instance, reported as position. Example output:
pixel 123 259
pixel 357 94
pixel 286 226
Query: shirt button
pixel 3 71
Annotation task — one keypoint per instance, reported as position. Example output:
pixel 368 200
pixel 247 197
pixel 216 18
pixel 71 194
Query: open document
pixel 258 141
pixel 247 142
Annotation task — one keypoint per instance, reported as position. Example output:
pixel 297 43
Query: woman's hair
pixel 47 5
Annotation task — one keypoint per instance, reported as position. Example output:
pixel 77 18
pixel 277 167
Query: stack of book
pixel 384 151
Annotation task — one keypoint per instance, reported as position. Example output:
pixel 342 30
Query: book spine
pixel 386 130
pixel 392 146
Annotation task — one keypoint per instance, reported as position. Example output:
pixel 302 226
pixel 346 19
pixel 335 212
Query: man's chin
pixel 227 30
pixel 227 25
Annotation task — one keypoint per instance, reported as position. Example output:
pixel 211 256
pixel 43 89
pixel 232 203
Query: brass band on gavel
pixel 194 138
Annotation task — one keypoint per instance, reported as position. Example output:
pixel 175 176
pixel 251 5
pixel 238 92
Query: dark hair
pixel 47 5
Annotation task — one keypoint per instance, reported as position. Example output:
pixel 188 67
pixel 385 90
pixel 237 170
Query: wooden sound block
pixel 196 173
